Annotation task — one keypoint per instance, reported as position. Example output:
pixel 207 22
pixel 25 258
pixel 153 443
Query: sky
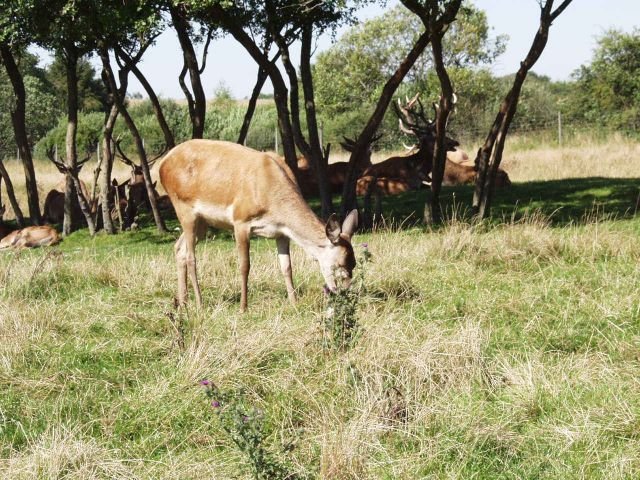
pixel 571 43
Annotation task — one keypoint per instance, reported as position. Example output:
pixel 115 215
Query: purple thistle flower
pixel 245 419
pixel 205 382
pixel 215 404
pixel 364 245
pixel 326 291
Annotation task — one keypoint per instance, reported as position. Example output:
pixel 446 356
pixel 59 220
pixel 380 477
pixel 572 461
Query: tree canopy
pixel 608 89
pixel 354 69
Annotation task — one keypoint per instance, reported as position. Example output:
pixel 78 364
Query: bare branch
pixel 560 9
pixel 206 50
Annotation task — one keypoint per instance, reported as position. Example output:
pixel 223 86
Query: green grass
pixel 509 350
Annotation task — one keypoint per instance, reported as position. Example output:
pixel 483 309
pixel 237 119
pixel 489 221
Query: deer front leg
pixel 186 261
pixel 198 232
pixel 285 266
pixel 242 243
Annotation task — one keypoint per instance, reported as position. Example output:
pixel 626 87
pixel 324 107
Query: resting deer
pixel 460 169
pixel 30 237
pixel 402 173
pixel 336 172
pixel 226 185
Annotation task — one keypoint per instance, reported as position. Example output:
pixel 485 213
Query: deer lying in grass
pixel 226 185
pixel 460 169
pixel 30 237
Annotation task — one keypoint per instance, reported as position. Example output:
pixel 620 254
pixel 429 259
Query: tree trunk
pixel 490 154
pixel 362 143
pixel 197 103
pixel 18 119
pixel 294 99
pixel 251 107
pixel 12 197
pixel 442 118
pixel 71 160
pixel 105 178
pixel 144 164
pixel 82 201
pixel 280 92
pixel 318 160
pixel 169 139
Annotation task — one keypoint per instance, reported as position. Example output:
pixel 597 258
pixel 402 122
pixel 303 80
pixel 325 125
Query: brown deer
pixel 384 185
pixel 54 204
pixel 30 237
pixel 402 173
pixel 414 169
pixel 460 169
pixel 336 172
pixel 226 185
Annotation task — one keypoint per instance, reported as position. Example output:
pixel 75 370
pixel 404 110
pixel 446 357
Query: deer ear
pixel 350 223
pixel 333 229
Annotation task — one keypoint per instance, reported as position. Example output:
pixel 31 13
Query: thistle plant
pixel 341 316
pixel 246 427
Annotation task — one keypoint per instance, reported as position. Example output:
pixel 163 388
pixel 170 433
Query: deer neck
pixel 304 228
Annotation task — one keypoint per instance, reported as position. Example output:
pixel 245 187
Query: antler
pixel 411 117
pixel 66 169
pixel 121 155
pixel 348 144
pixel 158 155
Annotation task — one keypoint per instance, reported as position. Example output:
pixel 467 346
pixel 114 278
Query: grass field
pixel 498 351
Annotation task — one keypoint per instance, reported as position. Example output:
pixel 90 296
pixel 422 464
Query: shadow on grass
pixel 569 201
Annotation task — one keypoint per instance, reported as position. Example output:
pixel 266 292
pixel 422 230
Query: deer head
pixel 337 263
pixel 413 121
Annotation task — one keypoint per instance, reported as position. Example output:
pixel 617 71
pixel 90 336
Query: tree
pixel 437 23
pixel 14 37
pixel 442 12
pixel 67 27
pixel 92 95
pixel 490 154
pixel 608 89
pixel 182 15
pixel 136 28
pixel 352 72
pixel 41 107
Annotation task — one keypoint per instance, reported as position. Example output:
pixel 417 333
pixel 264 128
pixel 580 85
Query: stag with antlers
pixel 404 172
pixel 138 189
pixel 72 174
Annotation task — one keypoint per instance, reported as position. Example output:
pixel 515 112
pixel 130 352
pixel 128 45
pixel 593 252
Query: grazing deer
pixel 30 237
pixel 230 186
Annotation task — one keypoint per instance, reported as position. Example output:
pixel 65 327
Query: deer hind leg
pixel 181 262
pixel 285 266
pixel 241 233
